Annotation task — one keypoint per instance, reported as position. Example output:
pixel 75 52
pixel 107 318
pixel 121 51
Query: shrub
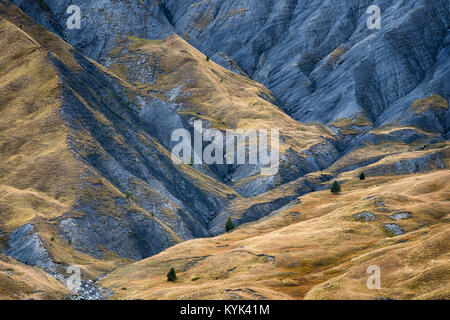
pixel 171 276
pixel 335 56
pixel 307 62
pixel 229 225
pixel 362 176
pixel 335 188
pixel 128 195
pixel 207 58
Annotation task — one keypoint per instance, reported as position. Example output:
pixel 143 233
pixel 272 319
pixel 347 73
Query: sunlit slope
pixel 318 248
pixel 80 167
pixel 38 173
pixel 19 281
pixel 195 87
pixel 387 157
pixel 43 181
pixel 181 74
pixel 85 166
pixel 34 154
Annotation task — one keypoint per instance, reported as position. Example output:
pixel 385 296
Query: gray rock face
pixel 259 210
pixel 139 167
pixel 90 291
pixel 132 235
pixel 103 22
pixel 394 228
pixel 26 247
pixel 405 166
pixel 253 213
pixel 400 215
pixel 320 59
pixel 364 216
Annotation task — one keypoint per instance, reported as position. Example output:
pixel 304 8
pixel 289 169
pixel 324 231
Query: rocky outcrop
pixel 393 228
pixel 26 246
pixel 318 57
pixel 131 236
pixel 364 216
pixel 400 215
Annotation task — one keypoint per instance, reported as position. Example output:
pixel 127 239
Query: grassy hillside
pixel 19 281
pixel 315 249
pixel 207 90
pixel 38 172
pixel 198 88
pixel 85 160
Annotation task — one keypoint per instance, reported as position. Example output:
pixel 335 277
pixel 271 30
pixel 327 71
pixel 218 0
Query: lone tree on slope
pixel 362 176
pixel 229 225
pixel 335 188
pixel 171 276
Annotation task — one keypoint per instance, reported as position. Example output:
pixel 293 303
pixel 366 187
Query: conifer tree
pixel 335 188
pixel 229 225
pixel 171 276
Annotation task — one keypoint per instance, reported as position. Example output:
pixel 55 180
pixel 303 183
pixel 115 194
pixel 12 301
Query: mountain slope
pixel 86 118
pixel 316 248
pixel 107 168
pixel 42 181
pixel 322 62
pixel 19 281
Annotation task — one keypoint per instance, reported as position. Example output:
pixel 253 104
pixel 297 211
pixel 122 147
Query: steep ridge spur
pixel 43 182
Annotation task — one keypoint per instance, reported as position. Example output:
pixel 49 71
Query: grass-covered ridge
pixel 209 91
pixel 314 249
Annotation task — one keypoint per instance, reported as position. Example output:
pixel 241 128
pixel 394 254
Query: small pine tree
pixel 128 195
pixel 229 225
pixel 207 58
pixel 362 176
pixel 171 276
pixel 335 188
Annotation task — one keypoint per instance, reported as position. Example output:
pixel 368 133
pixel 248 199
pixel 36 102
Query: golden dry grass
pixel 313 249
pixel 319 249
pixel 36 167
pixel 434 101
pixel 19 281
pixel 38 34
pixel 38 173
